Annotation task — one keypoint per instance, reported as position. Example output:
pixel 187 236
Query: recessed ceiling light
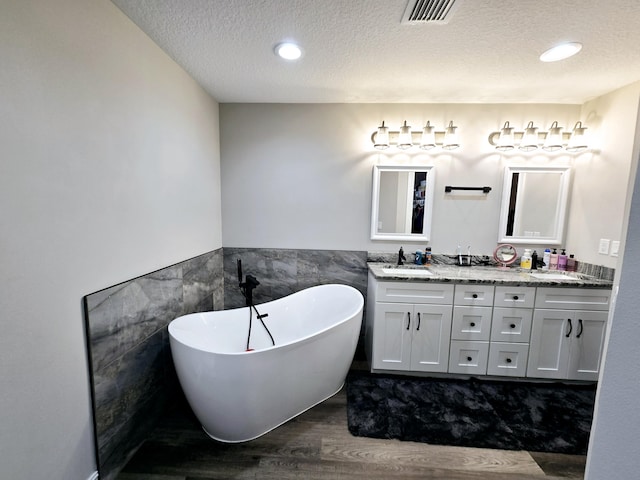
pixel 288 51
pixel 560 52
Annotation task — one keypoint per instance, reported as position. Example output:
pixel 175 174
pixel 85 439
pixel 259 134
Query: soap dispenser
pixel 562 260
pixel 525 260
pixel 553 260
pixel 546 259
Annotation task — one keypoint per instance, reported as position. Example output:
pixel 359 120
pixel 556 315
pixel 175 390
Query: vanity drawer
pixel 508 359
pixel 511 325
pixel 468 357
pixel 476 295
pixel 522 297
pixel 471 323
pixel 573 298
pixel 415 292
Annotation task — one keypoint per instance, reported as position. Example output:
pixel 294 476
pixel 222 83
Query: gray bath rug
pixel 472 413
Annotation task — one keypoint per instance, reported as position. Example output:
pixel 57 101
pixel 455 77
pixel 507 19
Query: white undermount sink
pixel 553 276
pixel 414 272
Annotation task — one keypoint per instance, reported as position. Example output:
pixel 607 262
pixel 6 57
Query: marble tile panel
pixel 286 271
pixel 131 313
pixel 203 282
pixel 123 387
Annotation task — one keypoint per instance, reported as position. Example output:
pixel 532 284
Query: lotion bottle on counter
pixel 562 261
pixel 546 259
pixel 525 260
pixel 553 260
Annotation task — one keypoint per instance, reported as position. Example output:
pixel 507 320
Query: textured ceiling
pixel 358 50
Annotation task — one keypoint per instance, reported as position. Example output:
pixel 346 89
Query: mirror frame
pixel 428 203
pixel 561 207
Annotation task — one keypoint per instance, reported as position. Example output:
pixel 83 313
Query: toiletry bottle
pixel 546 259
pixel 562 260
pixel 553 260
pixel 525 260
pixel 571 264
pixel 427 257
pixel 534 260
pixel 418 257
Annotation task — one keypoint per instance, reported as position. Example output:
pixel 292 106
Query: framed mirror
pixel 402 202
pixel 534 205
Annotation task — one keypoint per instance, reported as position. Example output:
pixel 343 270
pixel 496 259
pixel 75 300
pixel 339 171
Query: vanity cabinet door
pixel 519 297
pixel 508 359
pixel 512 325
pixel 549 347
pixel 473 295
pixel 587 343
pixel 411 337
pixel 468 357
pixel 431 336
pixel 471 323
pixel 392 334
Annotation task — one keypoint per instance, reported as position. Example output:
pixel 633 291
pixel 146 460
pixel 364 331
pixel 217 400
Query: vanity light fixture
pixel 553 141
pixel 505 139
pixel 426 138
pixel 578 140
pixel 404 138
pixel 531 138
pixel 381 141
pixel 450 141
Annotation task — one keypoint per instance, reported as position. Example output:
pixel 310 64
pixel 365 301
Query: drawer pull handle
pixel 475 295
pixel 469 359
pixel 513 325
pixel 581 328
pixel 515 297
pixel 409 320
pixel 570 329
pixel 418 327
pixel 508 360
pixel 473 324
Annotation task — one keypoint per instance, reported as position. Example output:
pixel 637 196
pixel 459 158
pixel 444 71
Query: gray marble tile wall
pixel 282 272
pixel 132 372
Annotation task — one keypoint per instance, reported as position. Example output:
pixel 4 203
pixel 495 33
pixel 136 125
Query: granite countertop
pixel 484 275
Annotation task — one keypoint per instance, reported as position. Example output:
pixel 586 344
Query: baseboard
pixel 93 476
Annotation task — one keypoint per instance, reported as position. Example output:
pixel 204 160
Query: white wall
pixel 602 178
pixel 613 445
pixel 299 176
pixel 109 169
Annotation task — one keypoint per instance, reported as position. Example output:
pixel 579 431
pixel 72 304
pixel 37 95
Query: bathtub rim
pixel 357 311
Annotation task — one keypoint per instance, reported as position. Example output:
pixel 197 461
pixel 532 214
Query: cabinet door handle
pixel 581 328
pixel 418 327
pixel 475 295
pixel 570 329
pixel 473 324
pixel 508 360
pixel 515 297
pixel 469 359
pixel 513 325
pixel 408 320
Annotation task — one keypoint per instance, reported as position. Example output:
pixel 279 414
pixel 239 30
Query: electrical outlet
pixel 615 248
pixel 603 248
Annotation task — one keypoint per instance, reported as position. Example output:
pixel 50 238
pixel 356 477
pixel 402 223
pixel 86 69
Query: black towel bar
pixel 449 188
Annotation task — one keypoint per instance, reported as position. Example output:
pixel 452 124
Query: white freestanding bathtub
pixel 239 395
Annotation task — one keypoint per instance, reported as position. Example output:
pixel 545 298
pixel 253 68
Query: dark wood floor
pixel 318 445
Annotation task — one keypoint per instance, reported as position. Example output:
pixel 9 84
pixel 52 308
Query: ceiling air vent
pixel 436 12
